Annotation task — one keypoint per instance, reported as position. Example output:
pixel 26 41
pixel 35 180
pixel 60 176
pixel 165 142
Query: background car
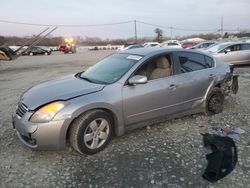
pixel 202 45
pixel 46 48
pixel 92 48
pixel 188 44
pixel 132 47
pixel 150 44
pixel 67 48
pixel 35 50
pixel 170 44
pixel 231 52
pixel 122 92
pixel 126 45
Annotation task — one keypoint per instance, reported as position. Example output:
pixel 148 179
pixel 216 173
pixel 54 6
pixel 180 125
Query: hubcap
pixel 96 133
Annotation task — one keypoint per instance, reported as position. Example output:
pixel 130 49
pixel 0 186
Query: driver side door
pixel 156 98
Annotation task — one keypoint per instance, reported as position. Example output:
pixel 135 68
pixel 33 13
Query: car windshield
pixel 110 69
pixel 216 47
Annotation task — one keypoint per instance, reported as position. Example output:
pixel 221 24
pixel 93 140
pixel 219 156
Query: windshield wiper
pixel 85 78
pixel 91 80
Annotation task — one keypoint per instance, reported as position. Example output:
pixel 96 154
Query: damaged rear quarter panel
pixel 222 73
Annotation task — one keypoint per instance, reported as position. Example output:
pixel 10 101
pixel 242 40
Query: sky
pixel 186 14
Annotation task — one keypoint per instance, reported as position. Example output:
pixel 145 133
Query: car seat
pixel 163 69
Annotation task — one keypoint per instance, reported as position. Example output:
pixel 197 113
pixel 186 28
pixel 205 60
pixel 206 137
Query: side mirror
pixel 227 50
pixel 138 79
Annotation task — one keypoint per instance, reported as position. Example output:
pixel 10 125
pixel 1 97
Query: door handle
pixel 211 75
pixel 172 87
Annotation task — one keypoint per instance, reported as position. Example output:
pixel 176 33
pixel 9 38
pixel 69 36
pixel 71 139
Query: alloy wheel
pixel 96 133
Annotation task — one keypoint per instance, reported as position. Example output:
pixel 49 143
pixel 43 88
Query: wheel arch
pixel 119 128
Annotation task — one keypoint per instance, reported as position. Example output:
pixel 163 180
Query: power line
pixel 114 23
pixel 61 25
pixel 175 28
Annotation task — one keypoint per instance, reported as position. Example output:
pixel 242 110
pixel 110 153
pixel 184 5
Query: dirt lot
pixel 169 154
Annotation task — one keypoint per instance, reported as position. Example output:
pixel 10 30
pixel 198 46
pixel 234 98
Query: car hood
pixel 59 89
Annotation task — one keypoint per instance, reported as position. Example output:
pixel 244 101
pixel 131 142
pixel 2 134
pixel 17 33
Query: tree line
pixel 94 41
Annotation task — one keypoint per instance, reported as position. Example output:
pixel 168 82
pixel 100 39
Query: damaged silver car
pixel 122 92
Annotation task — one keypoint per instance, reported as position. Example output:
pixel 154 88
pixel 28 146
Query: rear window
pixel 209 62
pixel 192 62
pixel 245 47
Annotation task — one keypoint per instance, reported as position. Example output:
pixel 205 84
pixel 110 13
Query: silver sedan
pixel 231 52
pixel 123 91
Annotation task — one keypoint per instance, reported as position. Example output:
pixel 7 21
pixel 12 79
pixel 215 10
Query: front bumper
pixel 49 135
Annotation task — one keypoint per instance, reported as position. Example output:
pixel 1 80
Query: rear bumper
pixel 49 135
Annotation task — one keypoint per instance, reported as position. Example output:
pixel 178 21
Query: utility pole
pixel 171 32
pixel 221 26
pixel 135 32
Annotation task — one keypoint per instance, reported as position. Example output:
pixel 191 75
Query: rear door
pixel 244 54
pixel 195 74
pixel 230 54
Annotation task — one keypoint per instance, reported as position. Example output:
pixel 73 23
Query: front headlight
pixel 47 112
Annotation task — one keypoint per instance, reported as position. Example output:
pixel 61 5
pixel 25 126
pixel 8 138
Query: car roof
pixel 157 50
pixel 204 42
pixel 229 43
pixel 234 42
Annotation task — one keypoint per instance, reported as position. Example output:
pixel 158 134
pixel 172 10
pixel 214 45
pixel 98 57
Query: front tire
pixel 91 132
pixel 214 102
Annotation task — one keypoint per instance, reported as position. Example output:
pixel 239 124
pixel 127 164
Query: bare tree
pixel 159 34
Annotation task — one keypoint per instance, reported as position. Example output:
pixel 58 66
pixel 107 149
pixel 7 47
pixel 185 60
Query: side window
pixel 207 44
pixel 209 62
pixel 235 47
pixel 157 67
pixel 192 62
pixel 245 47
pixel 202 45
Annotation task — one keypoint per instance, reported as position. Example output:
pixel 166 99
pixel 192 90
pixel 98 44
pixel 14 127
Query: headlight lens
pixel 47 112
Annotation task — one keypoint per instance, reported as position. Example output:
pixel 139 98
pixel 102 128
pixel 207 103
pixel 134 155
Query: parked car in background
pixel 170 44
pixel 35 50
pixel 126 45
pixel 132 47
pixel 231 52
pixel 150 44
pixel 47 48
pixel 67 48
pixel 54 48
pixel 92 48
pixel 202 45
pixel 122 92
pixel 188 44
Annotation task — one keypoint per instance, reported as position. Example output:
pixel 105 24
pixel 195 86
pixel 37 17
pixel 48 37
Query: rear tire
pixel 91 132
pixel 31 54
pixel 214 102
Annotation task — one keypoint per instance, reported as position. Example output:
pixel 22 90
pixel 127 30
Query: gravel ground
pixel 169 154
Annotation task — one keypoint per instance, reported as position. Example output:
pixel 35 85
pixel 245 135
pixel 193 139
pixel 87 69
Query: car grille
pixel 21 110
